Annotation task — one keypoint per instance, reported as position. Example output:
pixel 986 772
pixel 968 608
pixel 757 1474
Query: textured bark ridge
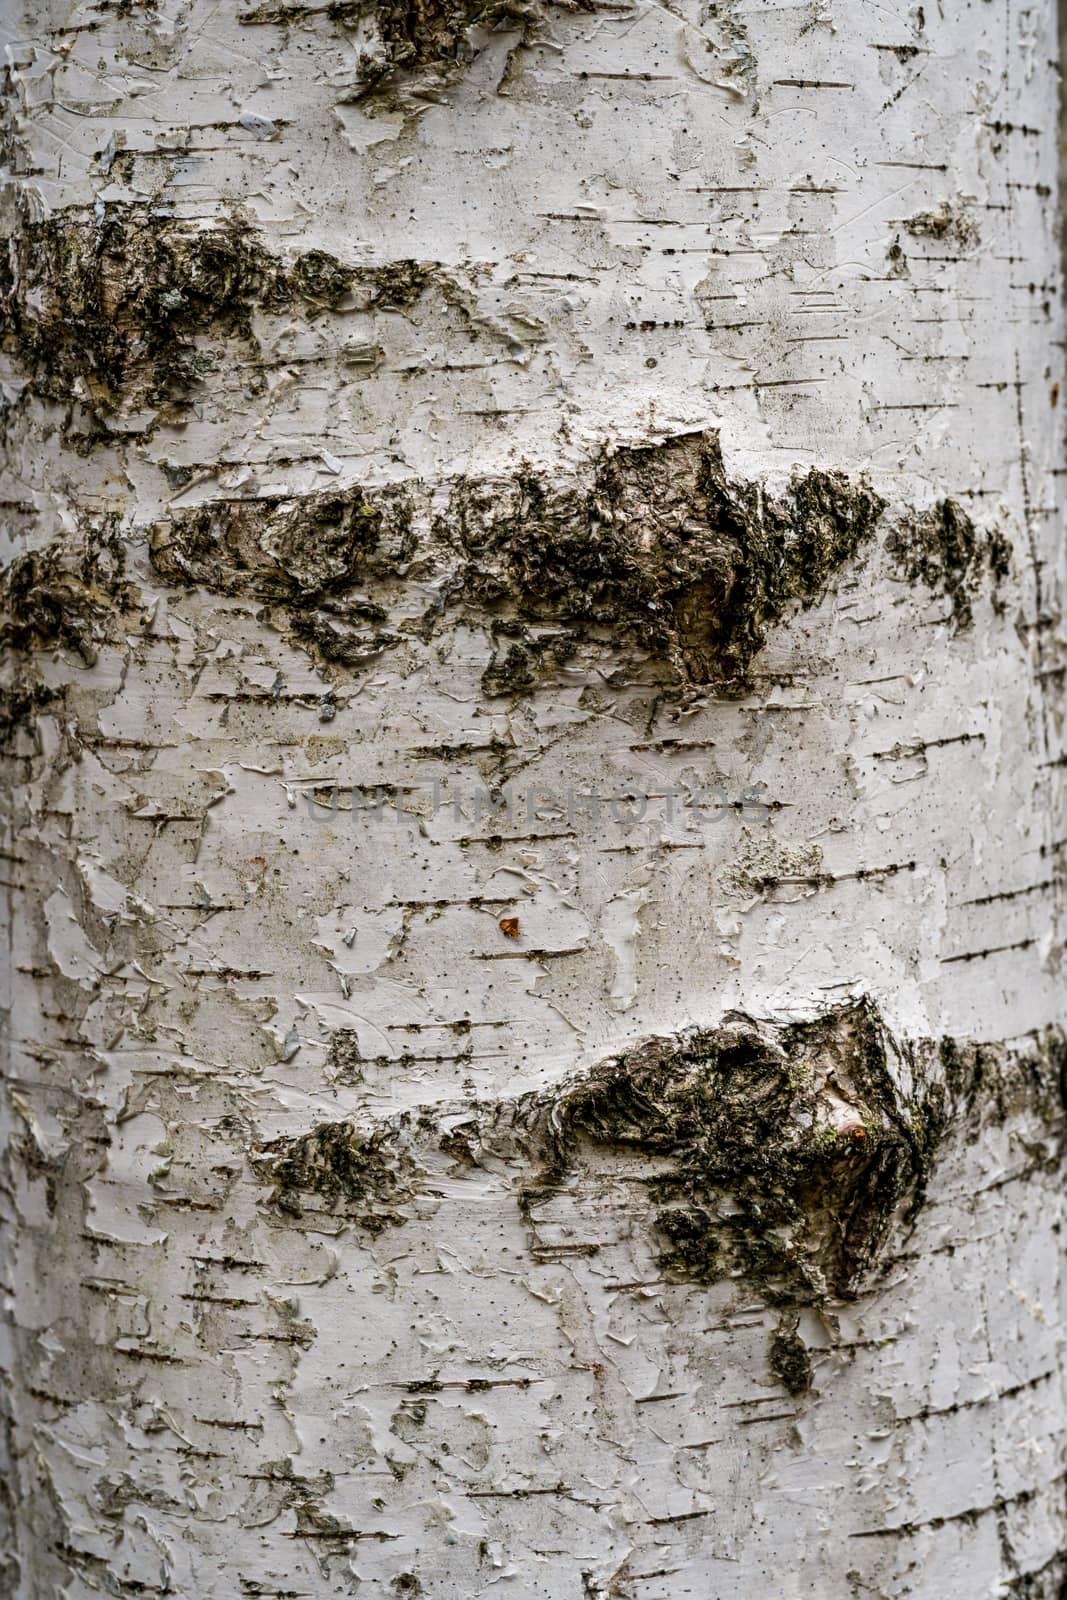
pixel 779 1156
pixel 117 316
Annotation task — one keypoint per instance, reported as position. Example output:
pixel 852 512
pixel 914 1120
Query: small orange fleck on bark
pixel 510 926
pixel 853 1130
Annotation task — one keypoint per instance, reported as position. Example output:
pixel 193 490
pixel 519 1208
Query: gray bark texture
pixel 532 724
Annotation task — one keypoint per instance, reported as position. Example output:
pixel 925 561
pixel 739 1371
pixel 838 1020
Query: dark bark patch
pixel 66 595
pixel 422 43
pixel 951 223
pixel 1048 1582
pixel 300 551
pixel 366 1176
pixel 104 310
pixel 308 556
pixel 942 549
pixel 21 703
pixel 649 552
pixel 788 1357
pixel 779 1156
pixel 658 545
pixel 649 548
pixel 790 1149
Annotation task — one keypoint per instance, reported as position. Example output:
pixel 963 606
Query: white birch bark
pixel 533 529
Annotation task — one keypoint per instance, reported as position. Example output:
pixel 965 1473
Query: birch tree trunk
pixel 534 726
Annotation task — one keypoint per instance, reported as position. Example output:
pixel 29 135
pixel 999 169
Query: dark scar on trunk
pixel 650 550
pixel 784 1157
pixel 648 558
pixel 421 45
